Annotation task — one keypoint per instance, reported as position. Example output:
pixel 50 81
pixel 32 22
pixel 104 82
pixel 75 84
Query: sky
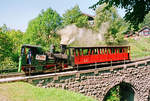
pixel 17 13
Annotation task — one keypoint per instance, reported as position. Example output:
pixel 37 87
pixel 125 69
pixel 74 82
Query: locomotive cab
pixel 31 58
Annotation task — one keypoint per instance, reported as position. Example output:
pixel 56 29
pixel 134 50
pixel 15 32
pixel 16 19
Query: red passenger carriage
pixel 90 55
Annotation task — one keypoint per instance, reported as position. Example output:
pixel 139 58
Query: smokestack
pixel 63 48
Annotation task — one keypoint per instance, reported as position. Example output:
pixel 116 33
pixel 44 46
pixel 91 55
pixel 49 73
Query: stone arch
pixel 126 86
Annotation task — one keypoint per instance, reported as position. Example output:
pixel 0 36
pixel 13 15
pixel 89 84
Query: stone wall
pixel 97 83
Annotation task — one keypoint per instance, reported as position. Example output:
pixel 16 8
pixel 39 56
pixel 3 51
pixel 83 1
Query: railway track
pixel 11 75
pixel 21 76
pixel 141 59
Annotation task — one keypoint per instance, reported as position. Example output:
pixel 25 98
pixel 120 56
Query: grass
pixel 20 91
pixel 140 47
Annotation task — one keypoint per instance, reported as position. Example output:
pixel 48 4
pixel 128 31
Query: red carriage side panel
pixel 101 54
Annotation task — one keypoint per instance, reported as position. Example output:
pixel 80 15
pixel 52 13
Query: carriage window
pixel 123 50
pixel 120 50
pixel 112 50
pixel 78 52
pixel 105 51
pixel 126 50
pixel 85 51
pixel 96 51
pixel 74 52
pixel 109 50
pixel 117 50
pixel 90 51
pixel 102 51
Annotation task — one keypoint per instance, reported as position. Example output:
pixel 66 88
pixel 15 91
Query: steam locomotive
pixel 34 60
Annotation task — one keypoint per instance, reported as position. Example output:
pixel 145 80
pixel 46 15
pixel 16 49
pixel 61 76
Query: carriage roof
pixel 100 47
pixel 31 46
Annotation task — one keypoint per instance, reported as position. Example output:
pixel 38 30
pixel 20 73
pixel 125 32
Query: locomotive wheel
pixel 29 71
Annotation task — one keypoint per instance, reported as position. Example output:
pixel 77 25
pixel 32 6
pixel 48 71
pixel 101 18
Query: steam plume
pixel 82 36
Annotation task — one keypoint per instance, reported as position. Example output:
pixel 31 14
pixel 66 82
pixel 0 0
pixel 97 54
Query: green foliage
pixel 113 94
pixel 82 21
pixel 15 36
pixel 10 42
pixel 114 36
pixel 146 21
pixel 115 33
pixel 6 46
pixel 102 15
pixel 8 63
pixel 74 16
pixel 135 9
pixel 42 29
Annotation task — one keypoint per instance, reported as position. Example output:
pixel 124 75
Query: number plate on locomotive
pixel 41 57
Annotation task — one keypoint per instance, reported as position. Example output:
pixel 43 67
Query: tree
pixel 42 29
pixel 74 16
pixel 5 46
pixel 103 15
pixel 146 21
pixel 15 36
pixel 10 42
pixel 115 31
pixel 115 34
pixel 135 9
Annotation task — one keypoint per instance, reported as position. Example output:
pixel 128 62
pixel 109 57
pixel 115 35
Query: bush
pixel 8 63
pixel 118 39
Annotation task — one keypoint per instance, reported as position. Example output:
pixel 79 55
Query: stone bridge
pixel 98 82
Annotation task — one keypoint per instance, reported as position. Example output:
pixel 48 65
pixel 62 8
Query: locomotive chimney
pixel 63 48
